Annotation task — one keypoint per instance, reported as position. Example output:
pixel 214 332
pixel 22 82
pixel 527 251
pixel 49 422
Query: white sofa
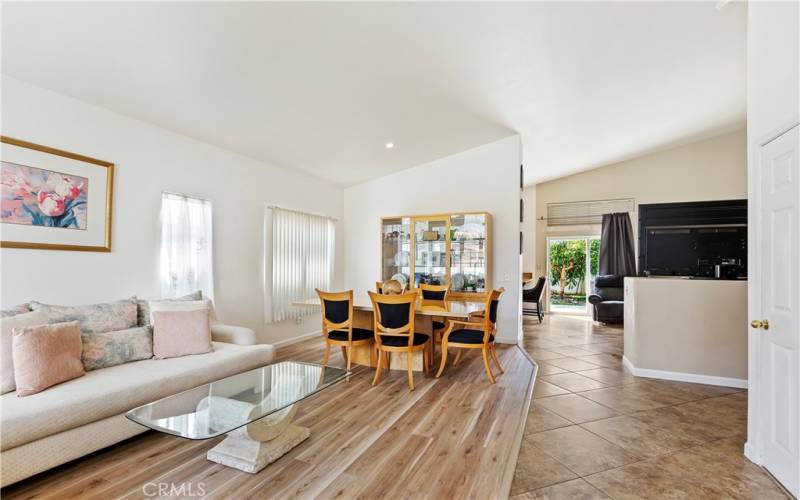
pixel 83 415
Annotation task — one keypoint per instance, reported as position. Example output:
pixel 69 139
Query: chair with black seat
pixel 434 294
pixel 394 331
pixel 608 299
pixel 532 298
pixel 475 335
pixel 337 325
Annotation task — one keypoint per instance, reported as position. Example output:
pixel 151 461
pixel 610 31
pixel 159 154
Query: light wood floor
pixel 453 437
pixel 596 431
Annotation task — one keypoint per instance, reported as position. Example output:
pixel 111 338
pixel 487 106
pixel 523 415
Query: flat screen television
pixel 695 239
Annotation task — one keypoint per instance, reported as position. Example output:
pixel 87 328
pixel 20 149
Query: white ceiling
pixel 322 87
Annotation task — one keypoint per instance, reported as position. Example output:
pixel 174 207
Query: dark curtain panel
pixel 616 245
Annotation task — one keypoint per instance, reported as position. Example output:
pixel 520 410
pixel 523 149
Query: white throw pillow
pixel 7 325
pixel 181 305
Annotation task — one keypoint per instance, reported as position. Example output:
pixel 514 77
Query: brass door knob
pixel 758 323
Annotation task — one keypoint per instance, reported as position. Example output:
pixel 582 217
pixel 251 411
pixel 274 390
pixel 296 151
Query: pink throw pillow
pixel 180 333
pixel 46 355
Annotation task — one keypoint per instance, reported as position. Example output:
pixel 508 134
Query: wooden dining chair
pixel 337 325
pixel 478 333
pixel 394 331
pixel 437 293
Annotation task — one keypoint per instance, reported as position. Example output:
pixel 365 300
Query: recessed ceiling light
pixel 389 145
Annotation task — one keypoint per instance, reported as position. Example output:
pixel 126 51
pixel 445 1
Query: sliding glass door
pixel 573 265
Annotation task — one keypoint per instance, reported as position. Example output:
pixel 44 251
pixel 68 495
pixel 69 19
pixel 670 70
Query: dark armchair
pixel 532 298
pixel 608 299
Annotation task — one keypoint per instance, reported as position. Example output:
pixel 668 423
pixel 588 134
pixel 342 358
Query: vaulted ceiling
pixel 322 87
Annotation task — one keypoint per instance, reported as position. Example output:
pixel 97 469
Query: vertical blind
pixel 302 260
pixel 186 253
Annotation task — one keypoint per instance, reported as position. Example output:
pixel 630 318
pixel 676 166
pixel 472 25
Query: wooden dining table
pixel 425 310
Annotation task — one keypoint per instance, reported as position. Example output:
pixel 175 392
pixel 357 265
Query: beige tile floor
pixel 596 431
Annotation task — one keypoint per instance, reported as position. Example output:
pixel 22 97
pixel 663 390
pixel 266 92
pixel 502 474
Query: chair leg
pixel 326 355
pixel 377 377
pixel 344 354
pixel 410 363
pixel 432 353
pixel 426 360
pixel 444 359
pixel 458 357
pixel 494 357
pixel 349 356
pixel 486 364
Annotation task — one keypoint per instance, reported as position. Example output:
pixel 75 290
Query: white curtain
pixel 302 260
pixel 186 257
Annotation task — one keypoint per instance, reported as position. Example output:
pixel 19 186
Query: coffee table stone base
pixel 241 452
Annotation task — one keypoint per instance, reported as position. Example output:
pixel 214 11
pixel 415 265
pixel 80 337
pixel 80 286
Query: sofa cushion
pixel 102 350
pixel 13 311
pixel 143 307
pixel 7 325
pixel 94 318
pixel 46 355
pixel 610 310
pixel 110 391
pixel 178 305
pixel 180 333
pixel 609 280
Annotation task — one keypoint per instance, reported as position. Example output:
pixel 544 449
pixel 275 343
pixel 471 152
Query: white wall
pixel 713 169
pixel 148 160
pixel 481 179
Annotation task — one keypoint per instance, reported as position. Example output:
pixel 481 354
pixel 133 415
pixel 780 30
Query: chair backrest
pixel 393 315
pixel 537 290
pixel 434 292
pixel 610 287
pixel 490 317
pixel 337 309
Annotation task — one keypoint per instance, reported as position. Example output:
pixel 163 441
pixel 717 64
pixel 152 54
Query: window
pixel 186 262
pixel 302 260
pixel 573 263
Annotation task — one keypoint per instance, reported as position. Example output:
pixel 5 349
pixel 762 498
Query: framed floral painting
pixel 53 199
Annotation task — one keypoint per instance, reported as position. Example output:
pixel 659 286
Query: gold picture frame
pixel 105 246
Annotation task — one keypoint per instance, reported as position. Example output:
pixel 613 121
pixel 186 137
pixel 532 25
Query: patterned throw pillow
pixel 143 307
pixel 101 350
pixel 93 318
pixel 20 309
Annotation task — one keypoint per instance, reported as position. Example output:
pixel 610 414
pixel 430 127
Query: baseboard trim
pixel 502 340
pixel 294 340
pixel 751 453
pixel 684 377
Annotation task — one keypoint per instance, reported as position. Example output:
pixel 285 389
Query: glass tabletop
pixel 220 407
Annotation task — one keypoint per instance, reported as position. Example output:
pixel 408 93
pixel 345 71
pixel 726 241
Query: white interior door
pixel 779 357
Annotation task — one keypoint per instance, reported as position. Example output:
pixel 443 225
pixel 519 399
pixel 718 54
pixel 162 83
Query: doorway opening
pixel 572 264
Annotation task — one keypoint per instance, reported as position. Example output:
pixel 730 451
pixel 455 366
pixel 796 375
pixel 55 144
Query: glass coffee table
pixel 255 409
